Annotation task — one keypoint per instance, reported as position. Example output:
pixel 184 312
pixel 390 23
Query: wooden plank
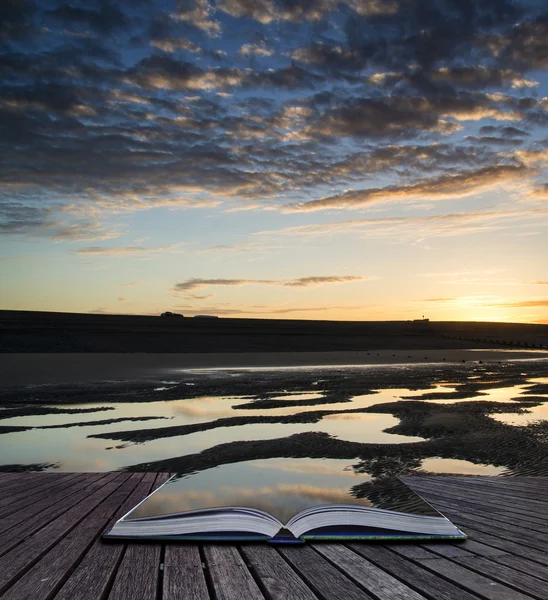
pixel 46 576
pixel 278 578
pixel 20 525
pixel 325 580
pixel 430 585
pixel 448 550
pixel 523 564
pixel 495 496
pixel 138 575
pixel 23 556
pixel 184 577
pixel 508 545
pixel 376 581
pixel 229 575
pixel 472 581
pixel 510 532
pixel 29 497
pixel 34 486
pixel 147 558
pixel 20 485
pixel 522 582
pixel 94 575
pixel 516 485
pixel 480 549
pixel 474 507
pixel 517 494
pixel 466 493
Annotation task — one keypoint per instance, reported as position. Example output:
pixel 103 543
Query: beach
pixel 48 368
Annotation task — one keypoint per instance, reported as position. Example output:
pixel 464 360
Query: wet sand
pixel 37 368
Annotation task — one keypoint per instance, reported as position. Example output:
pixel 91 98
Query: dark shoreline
pixel 48 332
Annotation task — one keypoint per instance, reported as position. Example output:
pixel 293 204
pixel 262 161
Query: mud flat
pixel 18 369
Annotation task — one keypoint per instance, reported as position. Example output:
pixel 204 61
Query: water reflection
pixel 346 423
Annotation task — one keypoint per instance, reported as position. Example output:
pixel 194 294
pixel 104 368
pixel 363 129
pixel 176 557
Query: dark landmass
pixel 335 384
pixel 420 419
pixel 15 428
pixel 49 332
pixel 519 449
pixel 27 411
pixel 20 468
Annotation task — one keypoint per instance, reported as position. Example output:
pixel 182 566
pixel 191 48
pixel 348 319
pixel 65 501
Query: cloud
pixel 437 188
pixel 510 132
pixel 498 141
pixel 437 299
pixel 196 283
pixel 405 228
pixel 255 50
pixel 521 304
pixel 231 310
pixel 121 251
pixel 198 13
pixel 539 282
pixel 175 44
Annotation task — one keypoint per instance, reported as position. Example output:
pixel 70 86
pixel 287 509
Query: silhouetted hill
pixel 29 331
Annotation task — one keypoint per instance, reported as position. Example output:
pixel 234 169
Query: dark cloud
pixel 16 19
pixel 493 140
pixel 509 132
pixel 121 106
pixel 102 16
pixel 427 32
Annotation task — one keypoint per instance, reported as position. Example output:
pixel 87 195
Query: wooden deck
pixel 50 547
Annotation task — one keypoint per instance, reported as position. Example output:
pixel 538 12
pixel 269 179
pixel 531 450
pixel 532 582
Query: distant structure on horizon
pixel 206 317
pixel 423 320
pixel 171 314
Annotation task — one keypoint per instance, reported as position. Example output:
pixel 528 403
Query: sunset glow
pixel 312 159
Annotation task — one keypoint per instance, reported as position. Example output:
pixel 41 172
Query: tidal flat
pixel 366 422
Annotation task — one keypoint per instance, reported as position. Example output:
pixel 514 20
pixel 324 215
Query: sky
pixel 316 159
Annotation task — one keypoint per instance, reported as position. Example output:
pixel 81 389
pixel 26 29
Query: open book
pixel 177 511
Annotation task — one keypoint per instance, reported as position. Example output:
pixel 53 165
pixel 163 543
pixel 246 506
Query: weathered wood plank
pixel 23 556
pixel 498 512
pixel 278 578
pixel 23 482
pixel 471 494
pixel 94 574
pixel 522 564
pixel 184 577
pixel 324 579
pixel 535 486
pixel 137 577
pixel 21 524
pixel 510 532
pixel 369 576
pixel 480 549
pixel 508 545
pixel 474 582
pixel 522 582
pixel 229 574
pixel 47 575
pixel 30 496
pixel 147 557
pixel 416 576
pixel 500 496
